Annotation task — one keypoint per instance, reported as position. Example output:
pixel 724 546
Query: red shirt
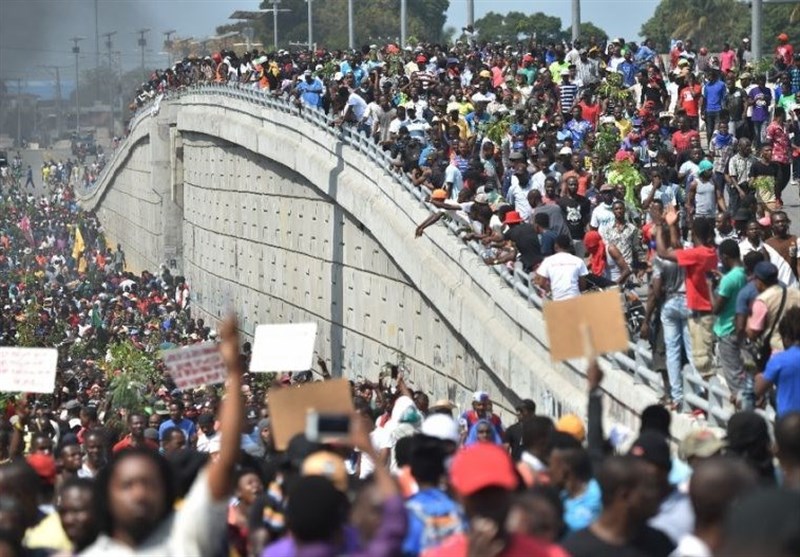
pixel 519 546
pixel 697 262
pixel 682 141
pixel 690 99
pixel 590 113
pixel 126 442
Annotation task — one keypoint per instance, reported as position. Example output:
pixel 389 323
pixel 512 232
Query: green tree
pixel 589 30
pixel 711 23
pixel 375 21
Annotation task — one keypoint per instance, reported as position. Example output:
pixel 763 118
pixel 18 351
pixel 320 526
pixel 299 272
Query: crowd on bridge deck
pixel 543 179
pixel 586 166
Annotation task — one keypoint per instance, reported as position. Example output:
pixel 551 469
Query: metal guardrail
pixel 638 359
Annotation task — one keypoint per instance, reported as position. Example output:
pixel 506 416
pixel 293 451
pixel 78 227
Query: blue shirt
pixel 745 297
pixel 783 370
pixel 186 426
pixel 581 511
pixel 430 503
pixel 628 71
pixel 311 93
pixel 714 95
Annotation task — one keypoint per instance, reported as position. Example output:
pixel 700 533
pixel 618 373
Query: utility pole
pixel 576 19
pixel 142 43
pixel 76 50
pixel 96 51
pixel 310 26
pixel 756 41
pixel 111 79
pixel 470 12
pixel 19 113
pixel 168 46
pixel 403 22
pixel 275 24
pixel 59 110
pixel 350 35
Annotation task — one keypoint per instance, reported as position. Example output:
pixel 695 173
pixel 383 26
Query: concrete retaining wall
pixel 282 222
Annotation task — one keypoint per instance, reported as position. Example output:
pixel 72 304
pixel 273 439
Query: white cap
pixel 441 426
pixel 565 151
pixel 479 97
pixel 480 396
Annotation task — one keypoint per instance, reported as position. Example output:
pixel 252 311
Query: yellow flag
pixel 79 245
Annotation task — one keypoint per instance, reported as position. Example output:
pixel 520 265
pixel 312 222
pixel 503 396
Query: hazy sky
pixel 34 32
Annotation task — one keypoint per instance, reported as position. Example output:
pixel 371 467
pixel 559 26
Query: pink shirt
pixel 726 60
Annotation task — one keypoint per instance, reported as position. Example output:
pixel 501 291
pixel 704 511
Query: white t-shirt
pixel 563 270
pixel 452 176
pixel 602 218
pixel 359 105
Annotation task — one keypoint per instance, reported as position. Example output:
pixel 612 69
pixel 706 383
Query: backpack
pixel 436 526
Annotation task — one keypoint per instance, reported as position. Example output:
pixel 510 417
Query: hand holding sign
pixel 585 326
pixel 284 347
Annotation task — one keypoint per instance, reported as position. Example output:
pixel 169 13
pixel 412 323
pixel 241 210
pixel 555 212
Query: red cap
pixel 512 217
pixel 480 466
pixel 421 59
pixel 44 465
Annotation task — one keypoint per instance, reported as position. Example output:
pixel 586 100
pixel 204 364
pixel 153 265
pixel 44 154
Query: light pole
pixel 310 26
pixel 142 43
pixel 111 80
pixel 403 22
pixel 350 35
pixel 470 12
pixel 576 19
pixel 96 51
pixel 76 51
pixel 168 45
pixel 755 40
pixel 59 111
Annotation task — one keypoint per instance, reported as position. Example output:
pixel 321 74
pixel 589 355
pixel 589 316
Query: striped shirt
pixel 567 94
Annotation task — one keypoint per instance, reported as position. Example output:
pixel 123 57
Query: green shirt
pixel 733 281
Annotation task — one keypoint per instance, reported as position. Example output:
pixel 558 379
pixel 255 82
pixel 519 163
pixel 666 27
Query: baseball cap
pixel 516 156
pixel 701 443
pixel 565 151
pixel 766 271
pixel 572 425
pixel 328 465
pixel 442 404
pixel 44 465
pixel 480 396
pixel 512 217
pixel 705 166
pixel 480 466
pixel 653 448
pixel 439 193
pixel 606 187
pixel 441 426
pixel 307 72
pixel 482 198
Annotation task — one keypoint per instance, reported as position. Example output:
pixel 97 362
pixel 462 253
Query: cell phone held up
pixel 327 427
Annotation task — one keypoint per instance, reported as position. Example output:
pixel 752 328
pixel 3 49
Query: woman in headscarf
pixel 483 432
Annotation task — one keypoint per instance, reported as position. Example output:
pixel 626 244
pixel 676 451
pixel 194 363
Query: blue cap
pixel 705 165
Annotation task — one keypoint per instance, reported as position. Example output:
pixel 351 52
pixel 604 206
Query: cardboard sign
pixel 284 347
pixel 195 365
pixel 289 406
pixel 599 312
pixel 28 370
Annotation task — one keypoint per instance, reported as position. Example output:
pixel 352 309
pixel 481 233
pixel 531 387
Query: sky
pixel 37 32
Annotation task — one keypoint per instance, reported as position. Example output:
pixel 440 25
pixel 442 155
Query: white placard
pixel 284 347
pixel 195 365
pixel 28 370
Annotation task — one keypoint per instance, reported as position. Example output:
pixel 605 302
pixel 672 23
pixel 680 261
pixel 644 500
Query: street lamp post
pixel 142 43
pixel 76 51
pixel 111 80
pixel 168 45
pixel 403 22
pixel 350 31
pixel 576 19
pixel 310 26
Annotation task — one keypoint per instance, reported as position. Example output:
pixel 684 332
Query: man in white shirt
pixel 562 274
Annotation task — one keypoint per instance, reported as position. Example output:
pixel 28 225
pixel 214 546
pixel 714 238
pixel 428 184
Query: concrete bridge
pixel 272 212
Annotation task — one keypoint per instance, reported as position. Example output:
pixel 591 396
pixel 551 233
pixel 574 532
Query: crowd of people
pixel 581 165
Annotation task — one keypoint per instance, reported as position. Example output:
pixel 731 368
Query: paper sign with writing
pixel 288 406
pixel 284 347
pixel 195 365
pixel 28 370
pixel 600 312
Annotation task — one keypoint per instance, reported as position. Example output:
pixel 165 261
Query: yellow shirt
pixel 47 534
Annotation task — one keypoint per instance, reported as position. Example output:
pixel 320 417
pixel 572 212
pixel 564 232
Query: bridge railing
pixel 636 362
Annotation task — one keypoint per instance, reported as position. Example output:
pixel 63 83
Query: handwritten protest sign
pixel 195 365
pixel 28 370
pixel 284 347
pixel 598 313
